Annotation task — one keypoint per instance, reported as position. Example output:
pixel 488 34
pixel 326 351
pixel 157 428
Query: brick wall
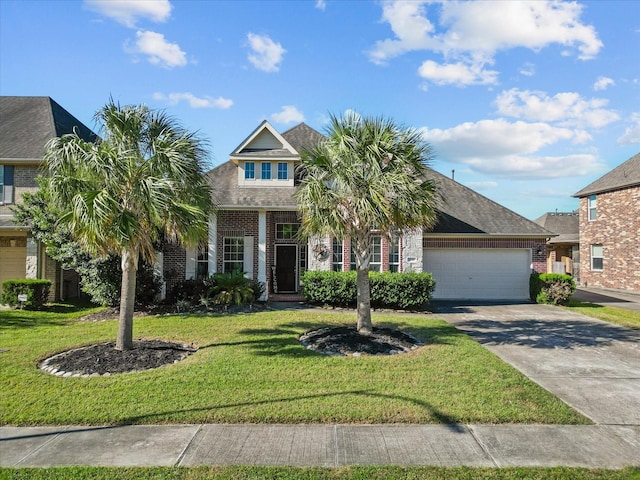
pixel 537 245
pixel 237 224
pixel 174 265
pixel 617 229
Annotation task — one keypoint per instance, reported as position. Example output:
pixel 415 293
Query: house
pixel 610 229
pixel 26 125
pixel 563 250
pixel 477 250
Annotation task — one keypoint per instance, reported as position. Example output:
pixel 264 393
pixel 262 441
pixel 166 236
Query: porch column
pixel 158 269
pixel 213 245
pixel 31 266
pixel 262 250
pixel 412 251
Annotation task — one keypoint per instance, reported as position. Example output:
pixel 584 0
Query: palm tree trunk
pixel 364 303
pixel 127 299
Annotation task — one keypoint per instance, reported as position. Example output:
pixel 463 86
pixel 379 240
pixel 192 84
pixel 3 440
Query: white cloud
pixel 127 12
pixel 321 4
pixel 511 149
pixel 602 83
pixel 158 50
pixel 486 185
pixel 471 33
pixel 528 70
pixel 267 54
pixel 193 101
pixel 632 133
pixel 457 74
pixel 565 108
pixel 288 114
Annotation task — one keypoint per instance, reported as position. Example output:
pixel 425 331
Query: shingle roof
pixel 624 175
pixel 565 224
pixel 27 123
pixel 465 211
pixel 302 137
pixel 227 193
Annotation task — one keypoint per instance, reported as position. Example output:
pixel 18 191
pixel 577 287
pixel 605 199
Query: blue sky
pixel 527 101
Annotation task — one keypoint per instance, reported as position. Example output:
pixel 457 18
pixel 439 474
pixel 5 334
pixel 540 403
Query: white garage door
pixel 13 261
pixel 479 274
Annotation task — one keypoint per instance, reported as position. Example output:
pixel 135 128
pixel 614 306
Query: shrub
pixel 388 289
pixel 551 288
pixel 231 288
pixel 37 291
pixel 189 291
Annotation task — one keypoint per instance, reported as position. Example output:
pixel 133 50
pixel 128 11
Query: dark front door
pixel 286 259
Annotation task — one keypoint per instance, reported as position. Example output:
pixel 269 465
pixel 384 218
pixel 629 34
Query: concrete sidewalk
pixel 591 365
pixel 604 446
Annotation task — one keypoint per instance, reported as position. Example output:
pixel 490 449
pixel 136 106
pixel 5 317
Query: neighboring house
pixel 26 125
pixel 610 229
pixel 477 250
pixel 563 251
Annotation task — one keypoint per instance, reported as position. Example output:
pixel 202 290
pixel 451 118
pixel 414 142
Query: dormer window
pixel 266 171
pixel 249 171
pixel 283 171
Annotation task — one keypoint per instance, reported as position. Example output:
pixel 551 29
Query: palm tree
pixel 144 178
pixel 369 173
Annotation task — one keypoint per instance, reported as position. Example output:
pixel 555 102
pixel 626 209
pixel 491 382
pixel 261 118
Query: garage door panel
pixel 13 263
pixel 479 274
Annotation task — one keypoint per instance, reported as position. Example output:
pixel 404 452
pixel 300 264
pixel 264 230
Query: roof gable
pixel 303 137
pixel 28 123
pixel 264 141
pixel 624 175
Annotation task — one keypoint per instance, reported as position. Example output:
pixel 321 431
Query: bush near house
pixel 221 289
pixel 408 290
pixel 37 291
pixel 551 288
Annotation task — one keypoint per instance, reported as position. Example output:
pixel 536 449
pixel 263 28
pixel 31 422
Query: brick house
pixel 26 125
pixel 563 250
pixel 610 229
pixel 477 250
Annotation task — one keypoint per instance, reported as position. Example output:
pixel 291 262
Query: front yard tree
pixel 369 173
pixel 143 178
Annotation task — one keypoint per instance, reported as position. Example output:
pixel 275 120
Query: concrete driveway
pixel 593 366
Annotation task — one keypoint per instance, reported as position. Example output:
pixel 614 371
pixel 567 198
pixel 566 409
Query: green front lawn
pixel 295 473
pixel 619 316
pixel 251 369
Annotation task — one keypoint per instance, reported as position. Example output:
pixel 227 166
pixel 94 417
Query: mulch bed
pixel 347 341
pixel 104 359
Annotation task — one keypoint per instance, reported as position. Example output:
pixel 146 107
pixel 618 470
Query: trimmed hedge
pixel 407 290
pixel 37 291
pixel 551 288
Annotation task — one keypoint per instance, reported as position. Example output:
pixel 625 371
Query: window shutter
pixel 248 257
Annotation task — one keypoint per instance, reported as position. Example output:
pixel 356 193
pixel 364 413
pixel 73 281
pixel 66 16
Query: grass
pixel 251 369
pixel 296 473
pixel 619 316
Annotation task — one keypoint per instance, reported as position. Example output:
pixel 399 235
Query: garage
pixel 13 262
pixel 479 273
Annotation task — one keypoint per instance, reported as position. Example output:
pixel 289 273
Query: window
pixel 593 203
pixel 266 171
pixel 202 260
pixel 6 184
pixel 287 231
pixel 394 254
pixel 596 257
pixel 375 263
pixel 336 255
pixel 233 254
pixel 283 171
pixel 249 170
